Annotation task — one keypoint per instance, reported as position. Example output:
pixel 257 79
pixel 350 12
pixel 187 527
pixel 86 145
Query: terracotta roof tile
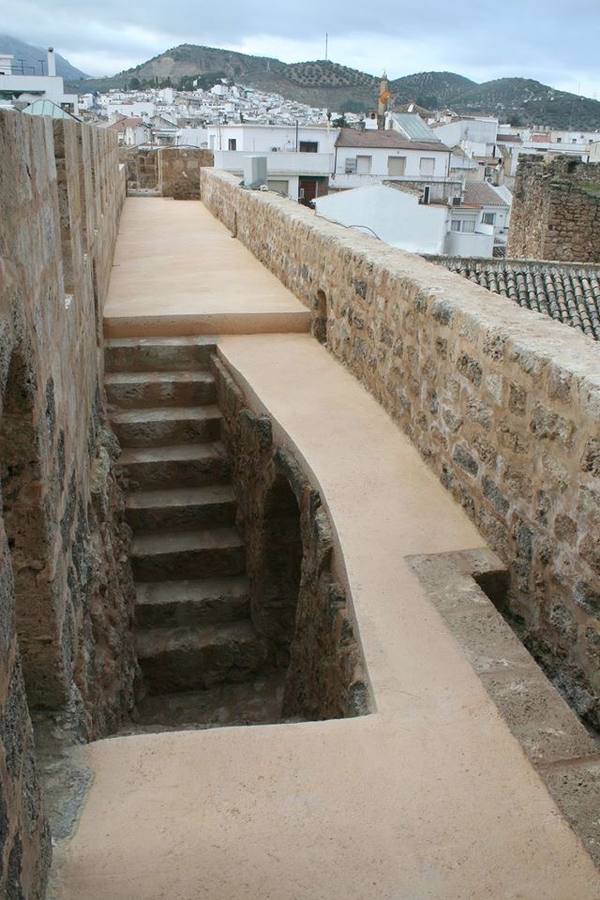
pixel 479 193
pixel 568 292
pixel 352 137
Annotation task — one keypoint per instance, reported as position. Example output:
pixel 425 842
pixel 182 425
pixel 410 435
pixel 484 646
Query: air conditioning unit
pixel 255 171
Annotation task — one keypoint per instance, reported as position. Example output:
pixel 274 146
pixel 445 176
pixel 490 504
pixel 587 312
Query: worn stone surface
pixel 503 404
pixel 66 589
pixel 556 210
pixel 296 603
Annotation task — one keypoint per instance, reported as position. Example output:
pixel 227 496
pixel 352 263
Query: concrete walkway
pixel 177 271
pixel 429 797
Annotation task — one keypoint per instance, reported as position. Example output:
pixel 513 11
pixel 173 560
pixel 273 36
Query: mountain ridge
pixel 36 58
pixel 322 83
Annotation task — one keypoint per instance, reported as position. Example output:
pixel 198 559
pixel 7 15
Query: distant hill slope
pixel 532 103
pixel 323 83
pixel 432 90
pixel 37 58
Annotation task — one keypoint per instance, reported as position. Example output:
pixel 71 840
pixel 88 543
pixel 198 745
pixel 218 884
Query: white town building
pixel 405 217
pixel 19 86
pixel 363 157
pixel 299 158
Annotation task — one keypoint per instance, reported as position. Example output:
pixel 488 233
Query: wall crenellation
pixel 556 210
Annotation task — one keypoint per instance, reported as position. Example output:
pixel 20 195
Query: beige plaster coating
pixel 178 271
pixel 429 797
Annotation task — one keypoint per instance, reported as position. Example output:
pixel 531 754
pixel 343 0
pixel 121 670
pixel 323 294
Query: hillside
pixel 323 83
pixel 530 102
pixel 36 58
pixel 433 90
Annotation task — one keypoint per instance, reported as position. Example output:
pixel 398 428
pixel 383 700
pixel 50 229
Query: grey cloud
pixel 494 38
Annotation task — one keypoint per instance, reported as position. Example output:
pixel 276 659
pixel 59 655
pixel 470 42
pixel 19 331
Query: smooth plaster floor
pixel 430 796
pixel 179 271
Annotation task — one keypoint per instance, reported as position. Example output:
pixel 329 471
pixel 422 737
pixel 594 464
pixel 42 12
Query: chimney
pixel 51 61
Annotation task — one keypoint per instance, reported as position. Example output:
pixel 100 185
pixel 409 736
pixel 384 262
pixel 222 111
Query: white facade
pixel 284 169
pixel 27 88
pixel 476 135
pixel 272 138
pixel 355 166
pixel 393 216
pixel 401 220
pixel 193 137
pixel 116 107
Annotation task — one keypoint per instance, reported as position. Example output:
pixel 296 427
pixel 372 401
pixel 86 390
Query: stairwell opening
pixel 239 618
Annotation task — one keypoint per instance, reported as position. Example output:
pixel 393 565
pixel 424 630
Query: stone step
pixel 168 425
pixel 187 658
pixel 188 507
pixel 254 702
pixel 204 601
pixel 136 390
pixel 176 465
pixel 202 553
pixel 153 354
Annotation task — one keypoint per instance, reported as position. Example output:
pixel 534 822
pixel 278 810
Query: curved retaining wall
pixel 503 403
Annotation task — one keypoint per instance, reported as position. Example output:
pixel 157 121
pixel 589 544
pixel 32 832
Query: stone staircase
pixel 202 661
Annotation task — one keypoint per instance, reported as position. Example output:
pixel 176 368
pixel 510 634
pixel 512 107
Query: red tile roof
pixel 384 140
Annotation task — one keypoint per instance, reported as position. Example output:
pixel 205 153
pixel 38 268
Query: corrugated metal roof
pixel 48 108
pixel 414 127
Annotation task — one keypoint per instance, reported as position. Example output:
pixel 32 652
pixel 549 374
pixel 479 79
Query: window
pixel 489 218
pixel 464 225
pixel 363 164
pixel 427 165
pixel 309 146
pixel 279 185
pixel 350 166
pixel 396 165
pixel 232 144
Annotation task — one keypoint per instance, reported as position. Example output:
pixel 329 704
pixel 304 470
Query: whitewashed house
pixel 299 158
pixel 370 156
pixel 21 86
pixel 396 214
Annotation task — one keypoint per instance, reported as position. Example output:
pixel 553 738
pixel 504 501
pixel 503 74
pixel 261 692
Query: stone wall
pixel 556 210
pixel 65 587
pixel 296 602
pixel 166 171
pixel 503 403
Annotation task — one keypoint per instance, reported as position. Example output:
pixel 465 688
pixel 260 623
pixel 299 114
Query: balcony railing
pixel 281 162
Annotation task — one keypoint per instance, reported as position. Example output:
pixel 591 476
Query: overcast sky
pixel 555 41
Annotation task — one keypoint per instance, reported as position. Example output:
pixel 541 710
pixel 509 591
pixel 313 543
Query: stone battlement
pixel 503 403
pixel 555 212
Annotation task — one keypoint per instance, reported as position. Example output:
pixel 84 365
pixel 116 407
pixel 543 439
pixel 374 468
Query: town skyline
pixel 108 39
